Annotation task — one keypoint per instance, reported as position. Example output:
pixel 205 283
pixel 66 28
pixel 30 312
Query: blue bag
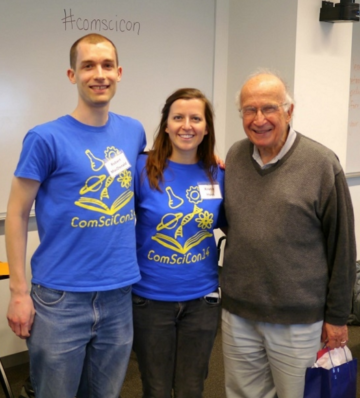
pixel 337 382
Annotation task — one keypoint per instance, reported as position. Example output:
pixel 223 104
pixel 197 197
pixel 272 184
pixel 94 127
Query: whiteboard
pixel 353 144
pixel 162 44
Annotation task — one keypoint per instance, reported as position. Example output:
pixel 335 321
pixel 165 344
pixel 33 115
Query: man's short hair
pixel 92 38
pixel 264 71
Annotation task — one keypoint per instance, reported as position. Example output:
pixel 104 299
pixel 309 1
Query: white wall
pixel 353 142
pixel 322 78
pixel 313 57
pixel 354 184
pixel 353 147
pixel 220 73
pixel 322 84
pixel 261 34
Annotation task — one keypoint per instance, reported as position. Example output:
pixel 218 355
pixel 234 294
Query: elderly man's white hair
pixel 264 71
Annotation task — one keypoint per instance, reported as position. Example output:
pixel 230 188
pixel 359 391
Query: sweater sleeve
pixel 338 228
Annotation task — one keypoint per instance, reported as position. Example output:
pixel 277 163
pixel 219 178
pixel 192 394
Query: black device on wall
pixel 345 11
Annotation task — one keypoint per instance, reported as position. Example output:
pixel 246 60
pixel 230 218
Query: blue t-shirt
pixel 84 212
pixel 176 248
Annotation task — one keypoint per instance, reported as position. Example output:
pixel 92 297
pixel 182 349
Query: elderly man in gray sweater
pixel 289 263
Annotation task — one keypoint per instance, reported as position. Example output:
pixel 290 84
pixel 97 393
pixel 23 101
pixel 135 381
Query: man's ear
pixel 71 75
pixel 290 113
pixel 120 71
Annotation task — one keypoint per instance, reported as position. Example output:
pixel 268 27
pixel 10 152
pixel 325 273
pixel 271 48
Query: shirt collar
pixel 284 150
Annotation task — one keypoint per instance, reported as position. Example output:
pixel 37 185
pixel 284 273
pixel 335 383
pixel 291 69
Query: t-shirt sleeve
pixel 141 136
pixel 36 159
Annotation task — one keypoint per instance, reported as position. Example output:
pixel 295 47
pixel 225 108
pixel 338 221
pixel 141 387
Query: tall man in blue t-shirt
pixel 79 171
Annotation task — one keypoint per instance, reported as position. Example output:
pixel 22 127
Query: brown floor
pixel 214 386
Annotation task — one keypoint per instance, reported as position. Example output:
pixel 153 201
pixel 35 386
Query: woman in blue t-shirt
pixel 179 201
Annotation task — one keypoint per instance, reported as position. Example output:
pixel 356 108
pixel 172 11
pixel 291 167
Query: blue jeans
pixel 173 343
pixel 80 343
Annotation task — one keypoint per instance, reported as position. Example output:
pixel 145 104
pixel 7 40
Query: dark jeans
pixel 173 343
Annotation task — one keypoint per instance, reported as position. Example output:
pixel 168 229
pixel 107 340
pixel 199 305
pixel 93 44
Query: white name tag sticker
pixel 117 164
pixel 208 191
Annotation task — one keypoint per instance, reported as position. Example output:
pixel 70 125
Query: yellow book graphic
pixel 101 207
pixel 173 244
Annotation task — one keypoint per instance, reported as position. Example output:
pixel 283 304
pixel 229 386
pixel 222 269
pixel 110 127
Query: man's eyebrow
pixel 86 61
pixel 90 61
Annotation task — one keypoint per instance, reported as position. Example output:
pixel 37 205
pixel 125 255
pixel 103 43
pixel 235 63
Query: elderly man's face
pixel 267 132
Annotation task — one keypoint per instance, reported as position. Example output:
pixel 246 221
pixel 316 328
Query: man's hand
pixel 21 314
pixel 334 336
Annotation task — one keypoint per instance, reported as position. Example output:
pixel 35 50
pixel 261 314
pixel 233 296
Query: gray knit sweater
pixel 290 251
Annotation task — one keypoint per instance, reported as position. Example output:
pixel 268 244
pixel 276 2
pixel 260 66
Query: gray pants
pixel 266 360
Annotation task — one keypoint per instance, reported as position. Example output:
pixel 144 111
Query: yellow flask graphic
pixel 96 163
pixel 174 201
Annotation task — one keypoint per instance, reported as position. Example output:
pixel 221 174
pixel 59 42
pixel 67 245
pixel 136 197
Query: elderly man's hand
pixel 334 336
